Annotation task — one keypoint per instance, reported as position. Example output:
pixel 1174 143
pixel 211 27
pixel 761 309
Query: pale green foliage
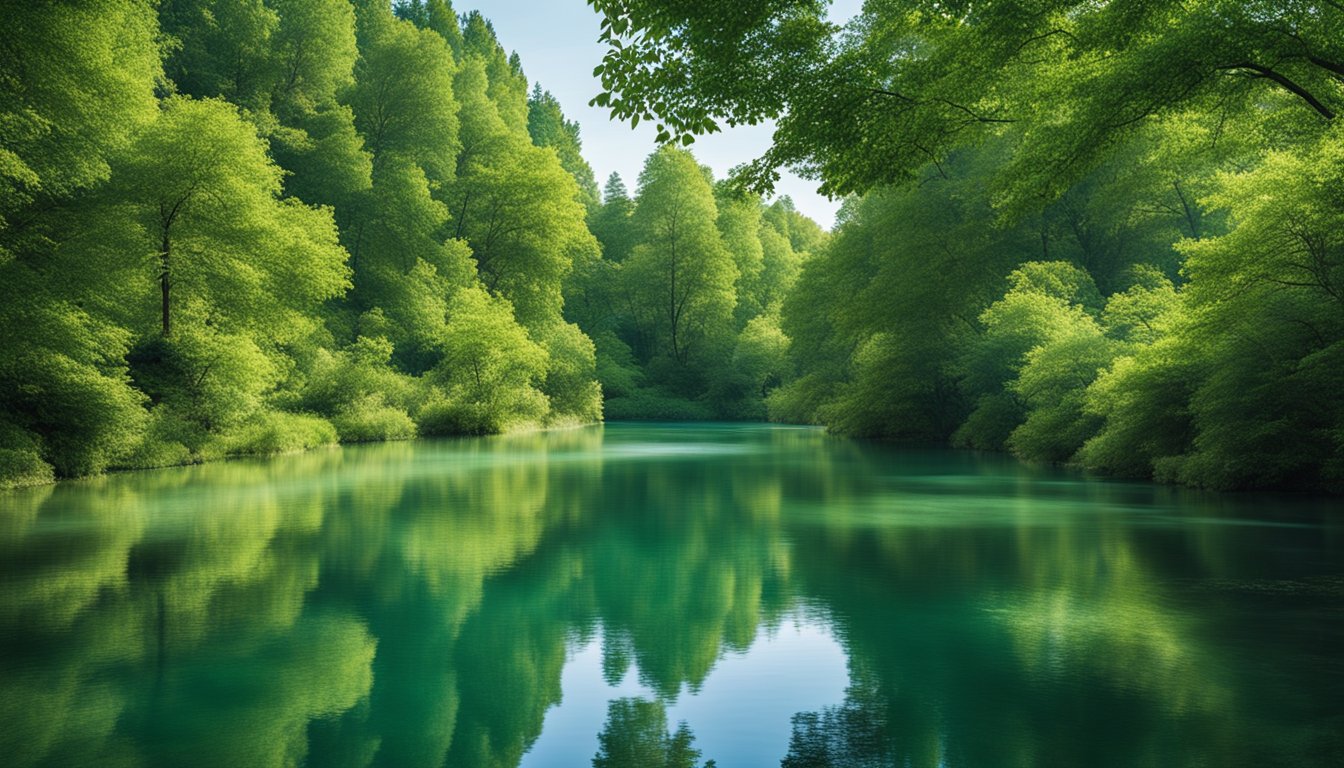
pixel 759 364
pixel 680 273
pixel 403 96
pixel 78 83
pixel 571 374
pixel 740 227
pixel 270 433
pixel 286 62
pixel 781 266
pixel 547 126
pixel 1052 386
pixel 507 88
pixel 490 372
pixel 202 186
pixel 79 80
pixel 516 206
pixel 314 45
pixel 360 392
pixel 370 420
pixel 1142 314
pixel 1144 400
pixel 805 236
pixel 214 379
pixel 1040 319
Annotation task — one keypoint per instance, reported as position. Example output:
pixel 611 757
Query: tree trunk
pixel 165 285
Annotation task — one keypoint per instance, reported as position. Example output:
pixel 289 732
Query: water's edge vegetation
pixel 263 226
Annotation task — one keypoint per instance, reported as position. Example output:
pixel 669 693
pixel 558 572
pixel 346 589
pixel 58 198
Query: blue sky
pixel 557 42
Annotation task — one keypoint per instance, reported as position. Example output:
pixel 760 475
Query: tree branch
pixel 1287 84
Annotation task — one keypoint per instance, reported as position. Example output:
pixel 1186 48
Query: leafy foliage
pixel 258 226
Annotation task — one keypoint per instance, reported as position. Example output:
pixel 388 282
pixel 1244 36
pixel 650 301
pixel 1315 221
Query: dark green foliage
pixel 648 404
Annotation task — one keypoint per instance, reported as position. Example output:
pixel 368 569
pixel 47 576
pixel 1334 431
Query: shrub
pixel 23 467
pixel 370 420
pixel 272 432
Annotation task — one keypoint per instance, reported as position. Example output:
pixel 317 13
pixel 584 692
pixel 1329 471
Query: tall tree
pixel 225 250
pixel 680 271
pixel 548 127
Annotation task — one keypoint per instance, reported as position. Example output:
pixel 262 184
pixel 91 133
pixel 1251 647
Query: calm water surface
pixel 765 596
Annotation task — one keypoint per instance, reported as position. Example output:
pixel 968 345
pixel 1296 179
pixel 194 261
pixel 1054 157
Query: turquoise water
pixel 778 596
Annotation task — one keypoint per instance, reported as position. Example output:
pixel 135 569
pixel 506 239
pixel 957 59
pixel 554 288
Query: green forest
pixel 253 227
pixel 1109 235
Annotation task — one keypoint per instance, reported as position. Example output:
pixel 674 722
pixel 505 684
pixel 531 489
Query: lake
pixel 759 595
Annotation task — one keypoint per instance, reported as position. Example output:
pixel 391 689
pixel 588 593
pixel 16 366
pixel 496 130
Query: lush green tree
pixel 226 271
pixel 680 273
pixel 571 384
pixel 740 227
pixel 547 126
pixel 780 267
pixel 403 96
pixel 79 82
pixel 360 391
pixel 883 359
pixel 1047 303
pixel 805 236
pixel 219 246
pixel 79 79
pixel 169 294
pixel 68 399
pixel 1266 303
pixel 611 223
pixel 491 371
pixel 507 88
pixel 759 365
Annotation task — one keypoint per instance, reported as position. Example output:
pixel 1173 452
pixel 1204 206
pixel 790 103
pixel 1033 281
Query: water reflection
pixel 417 604
pixel 635 736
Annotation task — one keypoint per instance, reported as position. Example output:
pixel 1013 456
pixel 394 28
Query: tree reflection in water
pixel 636 736
pixel 414 605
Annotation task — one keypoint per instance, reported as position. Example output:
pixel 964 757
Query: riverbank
pixel 276 434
